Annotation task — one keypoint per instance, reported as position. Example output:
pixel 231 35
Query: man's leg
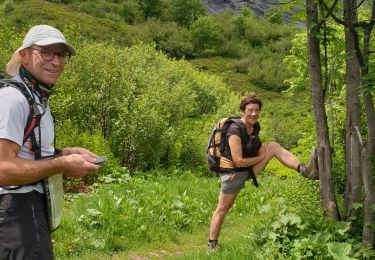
pixel 24 232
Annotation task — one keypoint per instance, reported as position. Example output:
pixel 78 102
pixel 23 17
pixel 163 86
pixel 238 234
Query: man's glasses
pixel 48 55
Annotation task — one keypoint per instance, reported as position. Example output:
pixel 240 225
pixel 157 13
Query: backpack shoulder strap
pixel 238 122
pixel 33 120
pixel 244 134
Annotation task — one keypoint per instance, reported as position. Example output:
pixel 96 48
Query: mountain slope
pixel 259 7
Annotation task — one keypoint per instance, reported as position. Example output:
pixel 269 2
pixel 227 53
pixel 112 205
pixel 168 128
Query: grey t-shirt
pixel 14 110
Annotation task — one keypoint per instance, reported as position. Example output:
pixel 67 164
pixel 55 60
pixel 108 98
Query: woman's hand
pixel 262 151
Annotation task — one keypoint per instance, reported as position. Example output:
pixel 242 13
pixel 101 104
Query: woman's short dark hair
pixel 250 99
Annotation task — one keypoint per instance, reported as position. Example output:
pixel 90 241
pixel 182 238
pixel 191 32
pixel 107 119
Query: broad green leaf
pixel 339 251
pixel 342 227
pixel 320 238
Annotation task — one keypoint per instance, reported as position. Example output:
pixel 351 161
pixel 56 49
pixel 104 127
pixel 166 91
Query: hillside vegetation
pixel 119 72
pixel 145 89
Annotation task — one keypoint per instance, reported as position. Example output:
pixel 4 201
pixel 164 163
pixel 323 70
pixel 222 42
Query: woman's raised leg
pixel 273 149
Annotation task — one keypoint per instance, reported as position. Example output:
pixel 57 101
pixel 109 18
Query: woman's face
pixel 251 113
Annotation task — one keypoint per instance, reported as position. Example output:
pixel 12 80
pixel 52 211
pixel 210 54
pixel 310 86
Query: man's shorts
pixel 236 184
pixel 24 230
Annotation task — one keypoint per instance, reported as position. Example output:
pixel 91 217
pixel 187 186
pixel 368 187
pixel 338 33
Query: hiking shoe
pixel 310 170
pixel 212 244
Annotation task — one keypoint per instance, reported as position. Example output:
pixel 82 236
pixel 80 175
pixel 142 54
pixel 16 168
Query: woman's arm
pixel 236 152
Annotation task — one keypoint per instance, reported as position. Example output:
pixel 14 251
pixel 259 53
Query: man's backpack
pixel 217 143
pixel 34 117
pixel 53 186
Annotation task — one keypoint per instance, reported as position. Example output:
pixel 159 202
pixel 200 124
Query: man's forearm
pixel 19 171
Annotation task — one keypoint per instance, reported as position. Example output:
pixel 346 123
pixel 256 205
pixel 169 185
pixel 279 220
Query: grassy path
pixel 152 238
pixel 187 245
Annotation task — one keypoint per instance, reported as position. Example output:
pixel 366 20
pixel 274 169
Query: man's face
pixel 46 63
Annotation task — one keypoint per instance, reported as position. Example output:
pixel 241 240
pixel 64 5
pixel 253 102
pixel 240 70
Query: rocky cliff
pixel 259 7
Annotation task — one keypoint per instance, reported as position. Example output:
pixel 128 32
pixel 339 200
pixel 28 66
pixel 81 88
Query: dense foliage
pixel 334 85
pixel 138 100
pixel 179 28
pixel 132 100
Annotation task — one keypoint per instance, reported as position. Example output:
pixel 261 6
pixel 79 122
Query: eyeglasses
pixel 48 55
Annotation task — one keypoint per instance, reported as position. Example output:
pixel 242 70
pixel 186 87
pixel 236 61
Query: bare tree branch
pixel 330 11
pixel 359 5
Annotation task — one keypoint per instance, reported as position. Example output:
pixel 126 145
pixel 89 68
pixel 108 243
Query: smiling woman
pixel 249 155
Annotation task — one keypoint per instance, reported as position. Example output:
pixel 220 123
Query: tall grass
pixel 161 208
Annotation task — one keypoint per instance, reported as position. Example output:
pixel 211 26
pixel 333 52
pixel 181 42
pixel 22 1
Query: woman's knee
pixel 273 144
pixel 272 147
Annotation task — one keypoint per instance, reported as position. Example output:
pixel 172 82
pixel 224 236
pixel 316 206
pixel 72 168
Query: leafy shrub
pixel 178 45
pixel 137 98
pixel 10 40
pixel 266 70
pixel 127 11
pixel 185 12
pixel 151 8
pixel 67 135
pixel 244 16
pixel 233 49
pixel 274 15
pixel 205 34
pixel 254 32
pixel 8 6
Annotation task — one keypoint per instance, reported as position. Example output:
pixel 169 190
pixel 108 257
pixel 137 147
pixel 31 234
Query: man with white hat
pixel 24 221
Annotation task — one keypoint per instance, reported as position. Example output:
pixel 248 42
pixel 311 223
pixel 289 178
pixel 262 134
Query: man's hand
pixel 77 150
pixel 79 165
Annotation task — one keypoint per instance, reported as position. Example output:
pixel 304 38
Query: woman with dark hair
pixel 249 154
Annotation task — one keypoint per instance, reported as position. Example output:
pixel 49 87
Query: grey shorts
pixel 236 184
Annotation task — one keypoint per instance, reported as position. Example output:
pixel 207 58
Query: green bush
pixel 10 40
pixel 240 21
pixel 274 15
pixel 8 6
pixel 185 12
pixel 266 70
pixel 127 11
pixel 68 135
pixel 233 49
pixel 206 35
pixel 136 99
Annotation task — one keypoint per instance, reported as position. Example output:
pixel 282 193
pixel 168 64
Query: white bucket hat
pixel 41 35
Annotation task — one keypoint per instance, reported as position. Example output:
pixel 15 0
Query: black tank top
pixel 250 143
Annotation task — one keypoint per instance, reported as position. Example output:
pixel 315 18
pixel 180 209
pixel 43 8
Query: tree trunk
pixel 368 150
pixel 317 94
pixel 353 115
pixel 369 221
